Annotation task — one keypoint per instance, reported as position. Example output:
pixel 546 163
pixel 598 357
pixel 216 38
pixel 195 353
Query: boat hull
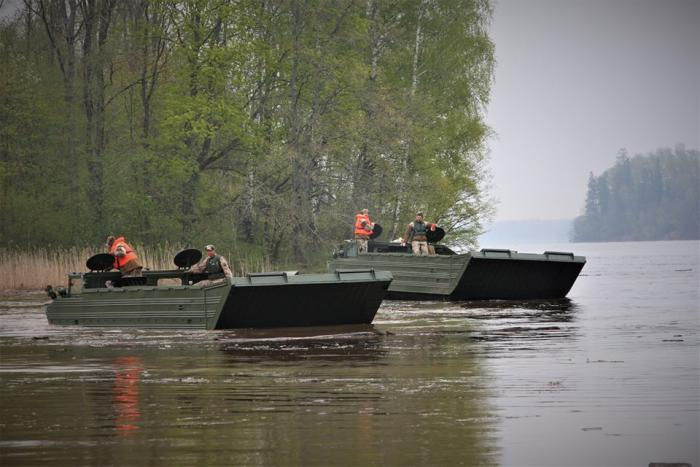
pixel 175 307
pixel 526 277
pixel 256 301
pixel 301 304
pixel 477 275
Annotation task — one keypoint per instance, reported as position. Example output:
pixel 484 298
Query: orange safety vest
pixel 130 253
pixel 365 229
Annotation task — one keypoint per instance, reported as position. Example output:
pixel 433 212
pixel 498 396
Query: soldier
pixel 125 258
pixel 417 234
pixel 213 264
pixel 363 230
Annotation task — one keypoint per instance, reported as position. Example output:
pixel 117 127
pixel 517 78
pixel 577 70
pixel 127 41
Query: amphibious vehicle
pixel 489 274
pixel 178 299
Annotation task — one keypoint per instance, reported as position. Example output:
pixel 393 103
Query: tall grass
pixel 37 268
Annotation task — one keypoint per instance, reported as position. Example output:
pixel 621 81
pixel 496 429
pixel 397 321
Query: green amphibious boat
pixel 177 299
pixel 488 274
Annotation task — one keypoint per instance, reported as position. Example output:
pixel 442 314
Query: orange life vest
pixel 360 228
pixel 119 262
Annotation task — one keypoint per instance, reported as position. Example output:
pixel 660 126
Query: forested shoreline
pixel 651 197
pixel 254 124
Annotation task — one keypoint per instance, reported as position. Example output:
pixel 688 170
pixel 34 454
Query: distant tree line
pixel 652 197
pixel 262 124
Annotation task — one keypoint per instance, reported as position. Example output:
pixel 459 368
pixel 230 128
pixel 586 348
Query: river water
pixel 607 377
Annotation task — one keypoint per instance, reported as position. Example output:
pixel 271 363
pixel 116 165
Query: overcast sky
pixel 576 81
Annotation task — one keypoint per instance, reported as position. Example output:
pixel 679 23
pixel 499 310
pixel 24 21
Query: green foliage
pixel 653 197
pixel 259 124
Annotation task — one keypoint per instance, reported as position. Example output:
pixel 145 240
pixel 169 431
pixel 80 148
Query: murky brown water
pixel 609 377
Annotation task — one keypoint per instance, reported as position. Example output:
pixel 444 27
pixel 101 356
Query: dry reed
pixel 37 268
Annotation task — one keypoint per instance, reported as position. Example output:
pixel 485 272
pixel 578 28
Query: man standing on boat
pixel 417 234
pixel 363 230
pixel 213 264
pixel 125 258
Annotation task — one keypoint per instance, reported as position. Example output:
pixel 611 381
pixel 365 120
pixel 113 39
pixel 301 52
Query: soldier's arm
pixel 407 235
pixel 197 268
pixel 225 267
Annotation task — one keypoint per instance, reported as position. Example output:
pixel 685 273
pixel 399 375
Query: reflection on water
pixel 126 393
pixel 607 377
pixel 324 396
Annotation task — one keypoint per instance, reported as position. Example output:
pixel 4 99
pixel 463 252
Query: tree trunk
pixel 300 177
pixel 403 168
pixel 189 197
pixel 59 18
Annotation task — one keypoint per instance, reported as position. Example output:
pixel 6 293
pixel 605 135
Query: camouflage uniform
pixel 419 242
pixel 202 267
pixel 362 244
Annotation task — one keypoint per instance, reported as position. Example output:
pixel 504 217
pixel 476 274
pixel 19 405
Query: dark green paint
pixel 476 275
pixel 257 300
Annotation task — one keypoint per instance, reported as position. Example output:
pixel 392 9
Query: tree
pixel 653 197
pixel 255 123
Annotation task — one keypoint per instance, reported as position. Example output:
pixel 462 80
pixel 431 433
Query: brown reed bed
pixel 36 268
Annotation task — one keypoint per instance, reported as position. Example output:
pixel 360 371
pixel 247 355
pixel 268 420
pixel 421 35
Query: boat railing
pixel 98 279
pixel 341 272
pixel 374 246
pixel 486 251
pixel 268 278
pixel 559 253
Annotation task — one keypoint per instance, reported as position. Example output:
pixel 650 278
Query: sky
pixel 578 80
